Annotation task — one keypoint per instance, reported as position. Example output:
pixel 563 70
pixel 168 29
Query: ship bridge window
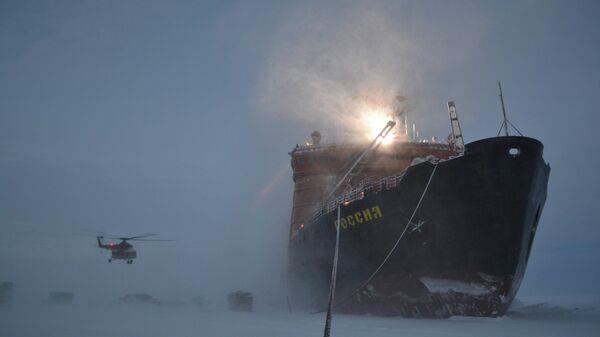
pixel 514 151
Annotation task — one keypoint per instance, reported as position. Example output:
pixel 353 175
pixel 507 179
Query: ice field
pixel 541 319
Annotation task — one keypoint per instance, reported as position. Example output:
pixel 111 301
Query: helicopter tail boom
pixel 100 242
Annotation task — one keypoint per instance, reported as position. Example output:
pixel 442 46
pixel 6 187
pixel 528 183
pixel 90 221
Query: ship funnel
pixel 316 137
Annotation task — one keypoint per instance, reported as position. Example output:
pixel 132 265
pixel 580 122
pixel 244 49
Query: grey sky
pixel 137 116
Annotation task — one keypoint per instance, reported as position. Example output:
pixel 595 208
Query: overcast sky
pixel 176 118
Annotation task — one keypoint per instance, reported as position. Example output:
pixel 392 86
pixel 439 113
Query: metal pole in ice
pixel 327 331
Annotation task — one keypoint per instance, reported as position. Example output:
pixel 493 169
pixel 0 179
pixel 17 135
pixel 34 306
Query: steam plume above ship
pixel 341 68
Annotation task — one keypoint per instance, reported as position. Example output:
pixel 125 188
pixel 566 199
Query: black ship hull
pixel 464 253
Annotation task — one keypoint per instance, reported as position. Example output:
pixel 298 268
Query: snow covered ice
pixel 531 318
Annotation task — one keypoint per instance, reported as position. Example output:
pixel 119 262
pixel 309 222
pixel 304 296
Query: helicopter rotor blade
pixel 129 238
pixel 151 240
pixel 137 237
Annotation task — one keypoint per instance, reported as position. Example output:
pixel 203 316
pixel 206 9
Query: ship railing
pixel 326 146
pixel 367 185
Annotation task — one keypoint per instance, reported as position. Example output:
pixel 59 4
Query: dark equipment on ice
pixel 6 293
pixel 198 301
pixel 240 301
pixel 138 299
pixel 60 298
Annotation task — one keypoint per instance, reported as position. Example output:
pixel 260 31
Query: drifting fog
pixel 330 68
pixel 340 68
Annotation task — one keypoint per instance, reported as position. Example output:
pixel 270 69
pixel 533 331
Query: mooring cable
pixel 393 248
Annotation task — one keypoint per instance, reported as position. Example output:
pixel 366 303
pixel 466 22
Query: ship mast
pixel 504 122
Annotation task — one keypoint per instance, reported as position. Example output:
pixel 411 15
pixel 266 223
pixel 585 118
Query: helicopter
pixel 123 250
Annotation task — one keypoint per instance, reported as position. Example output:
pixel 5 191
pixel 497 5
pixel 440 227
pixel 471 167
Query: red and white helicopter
pixel 123 250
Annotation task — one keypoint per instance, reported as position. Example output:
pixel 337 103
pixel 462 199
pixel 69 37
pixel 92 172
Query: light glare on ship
pixel 375 120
